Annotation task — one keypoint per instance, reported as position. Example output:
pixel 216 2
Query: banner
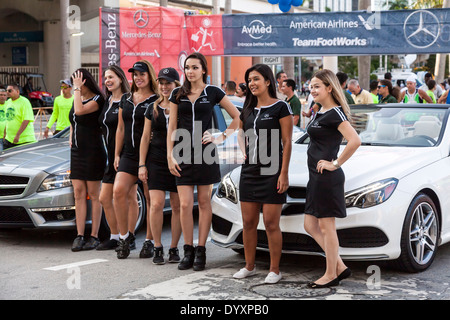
pixel 338 33
pixel 155 34
pixel 166 36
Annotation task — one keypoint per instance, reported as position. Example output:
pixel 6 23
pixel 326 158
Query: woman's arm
pixel 353 143
pixel 173 116
pixel 286 124
pixel 119 140
pixel 143 150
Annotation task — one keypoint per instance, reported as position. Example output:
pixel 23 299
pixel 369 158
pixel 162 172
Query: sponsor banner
pixel 338 33
pixel 165 36
pixel 155 34
pixel 205 34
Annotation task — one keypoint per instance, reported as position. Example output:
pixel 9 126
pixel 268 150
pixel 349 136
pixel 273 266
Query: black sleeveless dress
pixel 159 176
pixel 109 118
pixel 264 154
pixel 199 162
pixel 88 154
pixel 325 192
pixel 133 120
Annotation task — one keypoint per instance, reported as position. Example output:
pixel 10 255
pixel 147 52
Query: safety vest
pixel 412 98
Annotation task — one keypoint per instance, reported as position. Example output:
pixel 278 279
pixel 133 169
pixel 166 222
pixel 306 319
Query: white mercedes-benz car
pixel 397 191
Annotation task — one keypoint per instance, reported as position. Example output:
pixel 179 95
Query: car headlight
pixel 56 180
pixel 371 195
pixel 227 189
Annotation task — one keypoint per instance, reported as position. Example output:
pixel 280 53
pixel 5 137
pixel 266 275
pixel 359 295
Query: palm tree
pixel 399 5
pixel 424 4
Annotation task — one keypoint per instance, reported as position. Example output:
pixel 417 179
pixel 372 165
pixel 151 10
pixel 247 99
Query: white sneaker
pixel 244 273
pixel 272 278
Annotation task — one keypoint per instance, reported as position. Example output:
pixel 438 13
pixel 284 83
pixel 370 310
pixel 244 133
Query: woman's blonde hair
pixel 152 75
pixel 161 98
pixel 329 79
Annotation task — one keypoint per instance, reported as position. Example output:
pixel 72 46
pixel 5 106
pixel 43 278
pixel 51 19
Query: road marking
pixel 75 264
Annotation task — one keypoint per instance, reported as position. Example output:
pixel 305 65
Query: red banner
pixel 205 34
pixel 155 34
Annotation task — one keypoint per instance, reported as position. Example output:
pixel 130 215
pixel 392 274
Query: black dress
pixel 325 192
pixel 87 155
pixel 159 176
pixel 199 163
pixel 264 154
pixel 109 118
pixel 133 120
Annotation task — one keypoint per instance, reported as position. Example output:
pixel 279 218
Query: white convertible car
pixel 397 191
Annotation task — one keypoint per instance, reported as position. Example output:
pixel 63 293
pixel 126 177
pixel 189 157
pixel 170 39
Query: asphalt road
pixel 40 265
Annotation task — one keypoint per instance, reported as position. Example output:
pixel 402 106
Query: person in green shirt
pixel 3 98
pixel 287 88
pixel 385 90
pixel 61 108
pixel 343 77
pixel 19 119
pixel 431 87
pixel 374 91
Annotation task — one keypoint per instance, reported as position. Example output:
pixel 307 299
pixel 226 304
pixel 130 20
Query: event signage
pixel 165 36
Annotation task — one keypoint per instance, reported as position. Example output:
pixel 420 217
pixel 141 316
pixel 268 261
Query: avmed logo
pixel 257 29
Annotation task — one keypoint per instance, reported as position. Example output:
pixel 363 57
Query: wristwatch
pixel 336 164
pixel 224 134
pixel 76 89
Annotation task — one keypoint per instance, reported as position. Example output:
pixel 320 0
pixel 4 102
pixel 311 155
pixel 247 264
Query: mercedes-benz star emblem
pixel 140 18
pixel 421 29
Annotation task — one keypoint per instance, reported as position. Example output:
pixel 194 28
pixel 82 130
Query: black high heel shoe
pixel 332 283
pixel 344 274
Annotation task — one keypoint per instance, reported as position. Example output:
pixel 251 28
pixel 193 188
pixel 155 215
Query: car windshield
pixel 402 126
pixel 397 126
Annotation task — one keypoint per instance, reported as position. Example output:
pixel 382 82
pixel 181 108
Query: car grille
pixel 297 192
pixel 362 237
pixel 12 185
pixel 14 215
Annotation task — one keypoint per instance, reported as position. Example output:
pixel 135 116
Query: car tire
pixel 105 232
pixel 420 235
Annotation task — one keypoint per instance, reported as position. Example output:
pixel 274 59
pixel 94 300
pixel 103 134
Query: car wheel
pixel 420 235
pixel 104 231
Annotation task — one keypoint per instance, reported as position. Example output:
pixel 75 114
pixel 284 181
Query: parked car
pixel 36 192
pixel 397 186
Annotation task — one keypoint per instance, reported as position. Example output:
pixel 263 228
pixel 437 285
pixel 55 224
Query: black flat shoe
pixel 344 274
pixel 332 283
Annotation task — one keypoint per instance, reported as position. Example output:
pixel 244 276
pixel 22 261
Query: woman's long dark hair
pixel 185 89
pixel 124 86
pixel 90 83
pixel 251 101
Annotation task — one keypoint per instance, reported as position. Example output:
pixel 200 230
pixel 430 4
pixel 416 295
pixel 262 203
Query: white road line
pixel 75 264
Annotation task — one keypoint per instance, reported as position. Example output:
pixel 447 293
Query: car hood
pixel 46 155
pixel 369 164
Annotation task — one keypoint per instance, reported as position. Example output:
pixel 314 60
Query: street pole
pixel 227 60
pixel 63 4
pixel 439 69
pixel 216 72
pixel 364 61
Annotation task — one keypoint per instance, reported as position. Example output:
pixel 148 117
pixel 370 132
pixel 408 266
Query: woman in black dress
pixel 87 155
pixel 128 138
pixel 153 167
pixel 325 200
pixel 267 124
pixel 116 84
pixel 194 160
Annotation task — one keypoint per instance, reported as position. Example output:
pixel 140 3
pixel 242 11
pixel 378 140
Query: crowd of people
pixel 129 133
